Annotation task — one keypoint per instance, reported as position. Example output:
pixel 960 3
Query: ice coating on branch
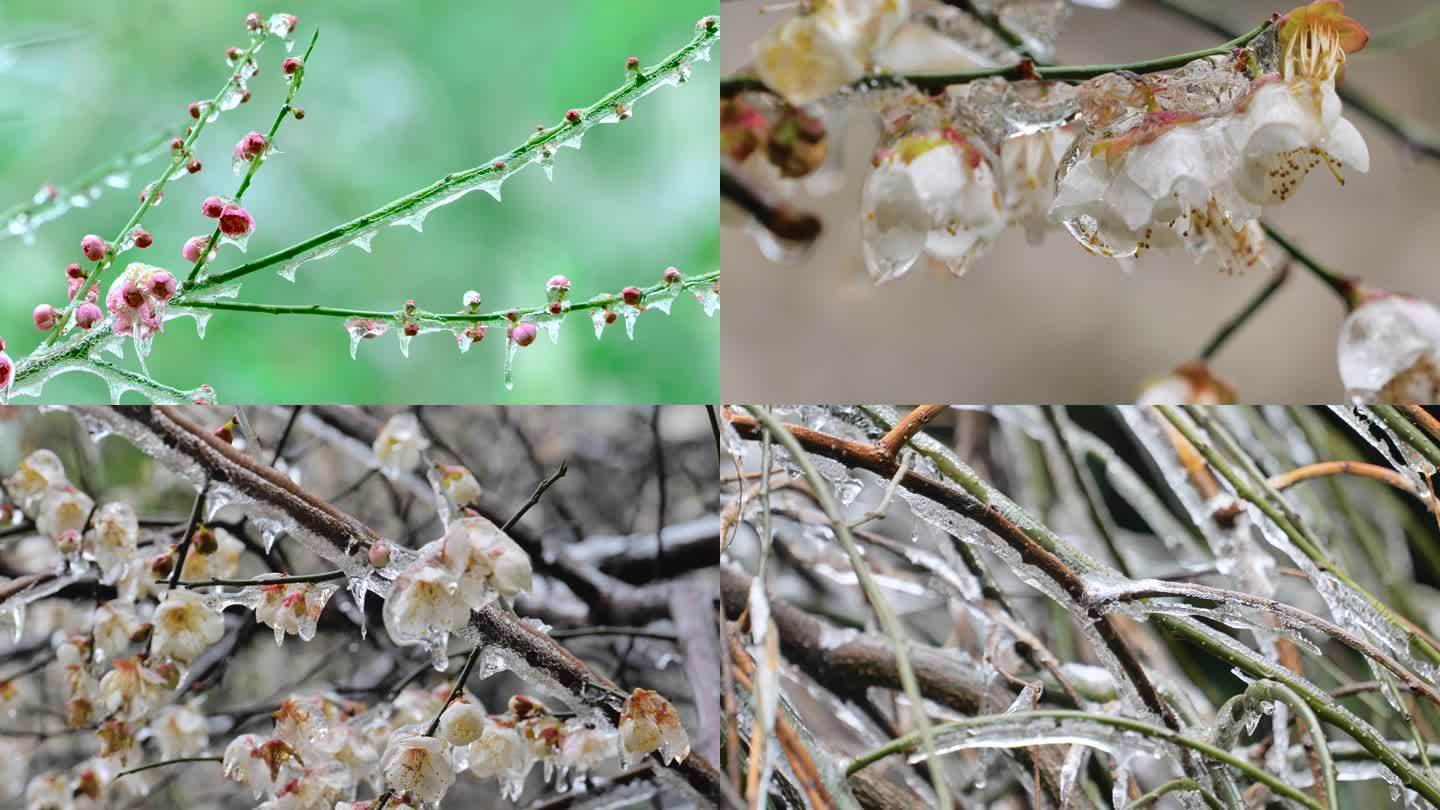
pixel 53 201
pixel 1389 350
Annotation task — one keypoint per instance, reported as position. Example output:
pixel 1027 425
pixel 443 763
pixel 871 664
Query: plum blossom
pixel 820 51
pixel 63 510
pixel 1191 383
pixel 932 192
pixel 112 539
pixel 39 471
pixel 585 748
pixel 113 625
pixel 137 301
pixel 418 765
pixel 130 690
pixel 424 601
pixel 292 608
pixel 1389 348
pixel 184 625
pixel 399 445
pixel 499 751
pixel 648 722
pixel 181 731
pixel 263 765
pixel 462 722
pixel 458 485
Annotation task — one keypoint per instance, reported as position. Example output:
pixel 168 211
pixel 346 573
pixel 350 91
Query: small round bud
pixel 195 108
pixel 610 316
pixel 93 247
pixel 145 194
pixel 236 221
pixel 44 316
pixel 233 54
pixel 631 296
pixel 476 333
pixel 291 65
pixel 226 432
pixel 379 555
pixel 177 144
pixel 251 146
pixel 74 270
pixel 298 112
pixel 672 275
pixel 498 165
pixel 143 239
pixel 87 315
pixel 633 63
pixel 471 299
pixel 194 246
pixel 212 207
pixel 556 308
pixel 411 329
pixel 162 285
pixel 194 167
pixel 709 24
pixel 557 284
pixel 573 116
pixel 161 565
pixel 203 540
pixel 253 21
pixel 523 333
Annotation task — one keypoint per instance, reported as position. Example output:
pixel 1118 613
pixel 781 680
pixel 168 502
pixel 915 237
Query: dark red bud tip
pixel 633 63
pixel 194 167
pixel 73 270
pixel 672 275
pixel 411 329
pixel 177 144
pixel 556 308
pixel 631 296
pixel 232 54
pixel 573 116
pixel 245 96
pixel 195 109
pixel 291 65
pixel 610 316
pixel 298 112
pixel 498 165
pixel 143 239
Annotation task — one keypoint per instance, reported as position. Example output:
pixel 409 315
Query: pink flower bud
pixel 212 207
pixel 251 146
pixel 253 21
pixel 7 369
pixel 631 296
pixel 556 308
pixel 143 239
pixel 610 315
pixel 633 63
pixel 291 65
pixel 162 285
pixel 471 299
pixel 236 221
pixel 72 287
pixel 195 108
pixel 556 284
pixel 145 194
pixel 44 316
pixel 93 247
pixel 194 247
pixel 298 112
pixel 73 270
pixel 476 333
pixel 523 333
pixel 132 295
pixel 411 329
pixel 498 165
pixel 573 116
pixel 87 315
pixel 379 555
pixel 177 144
pixel 672 275
pixel 194 167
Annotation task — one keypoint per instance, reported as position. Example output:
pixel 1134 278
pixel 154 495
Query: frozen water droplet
pixel 287 271
pixel 709 299
pixel 404 342
pixel 511 347
pixel 240 242
pixel 663 298
pixel 629 313
pixel 366 329
pixel 363 240
pixel 492 187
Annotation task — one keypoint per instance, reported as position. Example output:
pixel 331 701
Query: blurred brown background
pixel 1054 324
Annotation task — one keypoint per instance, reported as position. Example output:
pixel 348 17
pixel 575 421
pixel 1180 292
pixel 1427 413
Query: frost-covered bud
pixel 498 165
pixel 557 286
pixel 161 565
pixel 194 167
pixel 87 315
pixel 162 285
pixel 648 722
pixel 7 370
pixel 572 116
pixel 236 221
pixel 410 329
pixel 1389 348
pixel 476 333
pixel 523 333
pixel 251 146
pixel 233 54
pixel 44 317
pixel 226 432
pixel 379 555
pixel 610 316
pixel 185 625
pixel 177 143
pixel 631 296
pixel 142 237
pixel 672 275
pixel 93 247
pixel 459 485
pixel 145 194
pixel 74 270
pixel 194 246
pixel 462 723
pixel 196 107
pixel 212 207
pixel 471 300
pixel 398 446
pixel 417 765
pixel 203 540
pixel 292 65
pixel 253 21
pixel 632 63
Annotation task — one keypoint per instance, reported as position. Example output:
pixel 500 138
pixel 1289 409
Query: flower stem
pixel 164 763
pixel 323 576
pixel 1233 325
pixel 1063 73
pixel 909 742
pixel 1342 286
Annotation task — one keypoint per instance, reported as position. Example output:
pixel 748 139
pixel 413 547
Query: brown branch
pixel 905 430
pixel 781 220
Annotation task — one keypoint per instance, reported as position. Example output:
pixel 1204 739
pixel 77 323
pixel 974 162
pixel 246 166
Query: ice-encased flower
pixel 585 748
pixel 483 560
pixel 424 600
pixel 398 446
pixel 417 765
pixel 184 625
pixel 130 690
pixel 647 723
pixel 1028 163
pixel 931 193
pixel 315 788
pixel 112 539
pixel 113 624
pixel 263 765
pixel 221 563
pixel 818 52
pixel 499 751
pixel 1389 349
pixel 459 485
pixel 37 473
pixel 137 311
pixel 181 731
pixel 63 509
pixel 1282 130
pixel 293 608
pixel 463 722
pixel 1191 383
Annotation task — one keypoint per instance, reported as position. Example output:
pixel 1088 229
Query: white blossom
pixel 818 52
pixel 63 509
pixel 418 765
pixel 131 690
pixel 38 472
pixel 648 723
pixel 112 539
pixel 181 731
pixel 462 723
pixel 184 625
pixel 458 485
pixel 424 600
pixel 113 625
pixel 263 765
pixel 1389 349
pixel 292 608
pixel 499 751
pixel 398 446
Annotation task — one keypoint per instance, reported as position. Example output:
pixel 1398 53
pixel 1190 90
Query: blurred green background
pixel 396 96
